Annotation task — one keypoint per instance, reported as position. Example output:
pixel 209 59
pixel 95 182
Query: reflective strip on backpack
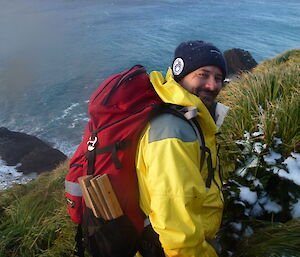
pixel 72 188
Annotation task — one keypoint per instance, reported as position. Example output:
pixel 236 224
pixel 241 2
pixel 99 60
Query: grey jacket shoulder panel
pixel 168 125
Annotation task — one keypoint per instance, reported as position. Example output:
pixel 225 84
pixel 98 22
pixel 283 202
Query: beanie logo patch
pixel 178 66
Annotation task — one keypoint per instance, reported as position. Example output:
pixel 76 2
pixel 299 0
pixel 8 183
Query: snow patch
pixel 271 206
pixel 257 210
pixel 247 195
pixel 237 226
pixel 257 183
pixel 272 157
pixel 296 210
pixel 248 231
pixel 239 202
pixel 293 166
pixel 258 133
pixel 258 147
pixel 252 162
pixel 277 141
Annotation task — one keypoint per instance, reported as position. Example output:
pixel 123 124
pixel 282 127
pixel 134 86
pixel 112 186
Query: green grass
pixel 274 240
pixel 265 100
pixel 268 96
pixel 34 220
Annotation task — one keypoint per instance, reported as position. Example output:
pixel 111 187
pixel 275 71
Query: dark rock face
pixel 33 154
pixel 238 60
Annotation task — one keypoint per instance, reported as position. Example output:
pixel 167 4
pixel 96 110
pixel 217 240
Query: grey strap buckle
pixel 190 112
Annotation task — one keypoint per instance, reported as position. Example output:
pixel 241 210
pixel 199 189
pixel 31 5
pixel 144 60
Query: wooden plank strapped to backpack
pixel 100 196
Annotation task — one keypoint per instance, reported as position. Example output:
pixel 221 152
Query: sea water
pixel 54 53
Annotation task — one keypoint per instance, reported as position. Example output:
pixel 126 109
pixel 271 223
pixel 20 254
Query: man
pixel 180 184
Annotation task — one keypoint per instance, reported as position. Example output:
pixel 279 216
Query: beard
pixel 206 96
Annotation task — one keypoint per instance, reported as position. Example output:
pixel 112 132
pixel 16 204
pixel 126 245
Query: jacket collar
pixel 172 92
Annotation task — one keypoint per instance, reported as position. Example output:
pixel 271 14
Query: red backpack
pixel 119 110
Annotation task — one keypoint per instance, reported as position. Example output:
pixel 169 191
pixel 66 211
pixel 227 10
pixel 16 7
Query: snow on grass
pixel 237 226
pixel 247 135
pixel 257 183
pixel 247 195
pixel 272 207
pixel 272 157
pixel 239 202
pixel 293 166
pixel 257 210
pixel 253 162
pixel 296 210
pixel 258 147
pixel 277 141
pixel 248 231
pixel 258 133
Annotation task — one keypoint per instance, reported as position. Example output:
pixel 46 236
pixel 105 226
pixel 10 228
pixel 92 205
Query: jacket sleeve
pixel 175 191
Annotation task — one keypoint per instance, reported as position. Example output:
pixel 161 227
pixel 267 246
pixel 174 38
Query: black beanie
pixel 192 55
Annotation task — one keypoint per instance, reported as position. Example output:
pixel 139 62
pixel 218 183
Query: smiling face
pixel 205 82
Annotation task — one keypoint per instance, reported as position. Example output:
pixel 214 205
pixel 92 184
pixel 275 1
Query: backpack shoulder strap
pixel 190 118
pixel 181 113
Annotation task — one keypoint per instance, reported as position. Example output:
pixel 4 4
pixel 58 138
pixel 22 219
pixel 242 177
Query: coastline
pixel 9 176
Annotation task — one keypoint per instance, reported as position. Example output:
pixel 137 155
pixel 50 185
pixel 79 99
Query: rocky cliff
pixel 31 153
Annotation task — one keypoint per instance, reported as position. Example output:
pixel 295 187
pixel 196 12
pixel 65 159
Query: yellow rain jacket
pixel 185 214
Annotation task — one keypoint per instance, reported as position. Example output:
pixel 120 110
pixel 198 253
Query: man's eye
pixel 219 79
pixel 203 75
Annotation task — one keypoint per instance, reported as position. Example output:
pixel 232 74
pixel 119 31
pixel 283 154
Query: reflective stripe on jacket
pixel 184 213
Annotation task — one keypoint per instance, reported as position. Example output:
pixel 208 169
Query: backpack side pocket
pixel 73 192
pixel 114 238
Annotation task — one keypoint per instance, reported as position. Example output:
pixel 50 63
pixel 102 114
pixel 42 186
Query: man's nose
pixel 211 83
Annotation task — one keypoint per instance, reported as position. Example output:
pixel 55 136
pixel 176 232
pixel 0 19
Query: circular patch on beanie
pixel 178 65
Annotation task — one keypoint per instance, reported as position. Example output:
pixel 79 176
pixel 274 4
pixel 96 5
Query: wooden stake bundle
pixel 99 196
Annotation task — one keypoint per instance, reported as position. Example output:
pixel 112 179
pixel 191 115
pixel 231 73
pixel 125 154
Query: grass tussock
pixel 260 136
pixel 275 240
pixel 34 220
pixel 267 99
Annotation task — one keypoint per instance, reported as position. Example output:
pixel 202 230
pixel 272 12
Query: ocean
pixel 54 54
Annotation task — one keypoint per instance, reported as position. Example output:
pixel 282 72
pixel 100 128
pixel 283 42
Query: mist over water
pixel 53 54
